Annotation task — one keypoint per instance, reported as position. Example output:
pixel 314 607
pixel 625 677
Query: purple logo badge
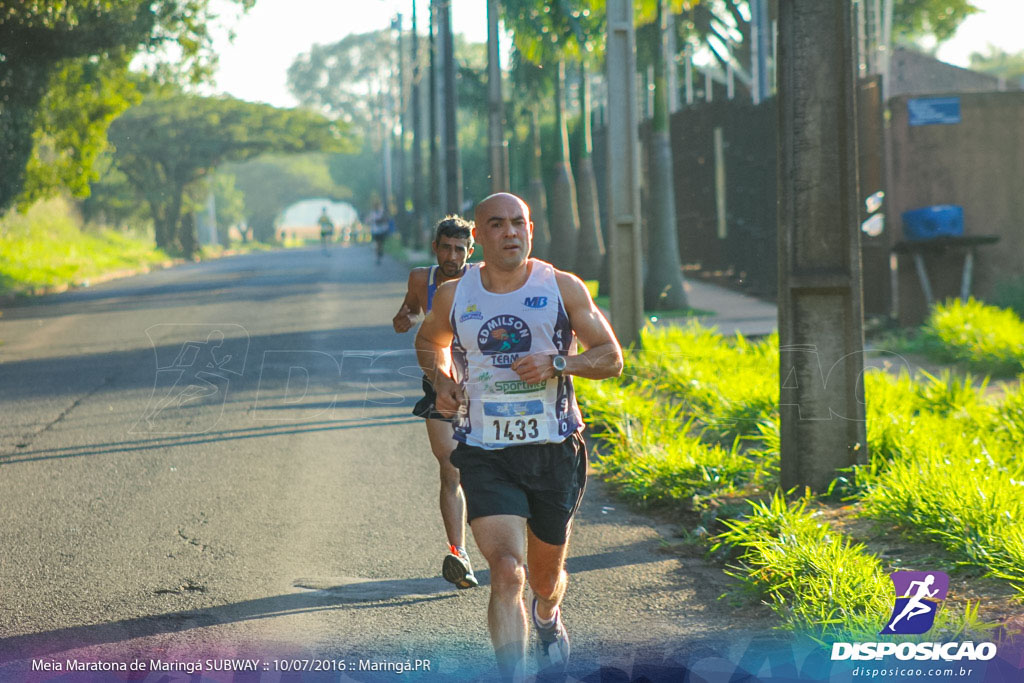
pixel 504 338
pixel 918 595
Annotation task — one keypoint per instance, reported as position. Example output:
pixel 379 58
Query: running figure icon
pixel 915 605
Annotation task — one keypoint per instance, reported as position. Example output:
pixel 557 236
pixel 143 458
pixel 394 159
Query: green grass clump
pixel 818 582
pixel 1010 420
pixel 695 417
pixel 47 247
pixel 955 485
pixel 730 385
pixel 650 455
pixel 985 338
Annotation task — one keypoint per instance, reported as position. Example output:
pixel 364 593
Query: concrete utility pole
pixel 495 105
pixel 452 167
pixel 821 333
pixel 417 140
pixel 400 148
pixel 760 30
pixel 437 179
pixel 624 174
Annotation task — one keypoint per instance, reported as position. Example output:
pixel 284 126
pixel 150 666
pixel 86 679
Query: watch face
pixel 559 363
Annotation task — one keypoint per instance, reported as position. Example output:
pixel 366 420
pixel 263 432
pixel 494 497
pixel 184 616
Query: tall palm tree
pixel 541 36
pixel 663 286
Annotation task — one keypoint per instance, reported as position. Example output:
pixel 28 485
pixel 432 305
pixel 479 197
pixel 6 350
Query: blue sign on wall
pixel 930 110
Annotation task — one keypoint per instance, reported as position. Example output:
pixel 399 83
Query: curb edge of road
pixel 24 295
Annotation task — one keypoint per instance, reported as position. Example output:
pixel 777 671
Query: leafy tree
pixel 724 28
pixel 270 184
pixel 542 33
pixel 355 81
pixel 914 19
pixel 165 144
pixel 529 81
pixel 83 97
pixel 1000 63
pixel 37 37
pixel 348 80
pixel 112 200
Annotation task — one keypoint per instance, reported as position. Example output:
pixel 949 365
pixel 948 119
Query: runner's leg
pixel 502 542
pixel 548 578
pixel 453 503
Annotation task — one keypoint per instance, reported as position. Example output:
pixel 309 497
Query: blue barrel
pixel 943 220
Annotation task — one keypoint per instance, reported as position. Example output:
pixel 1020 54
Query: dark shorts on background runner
pixel 425 406
pixel 542 482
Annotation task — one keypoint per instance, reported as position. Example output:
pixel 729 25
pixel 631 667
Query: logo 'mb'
pixel 536 301
pixel 918 595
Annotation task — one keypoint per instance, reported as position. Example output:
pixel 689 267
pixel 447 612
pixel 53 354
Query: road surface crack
pixel 28 439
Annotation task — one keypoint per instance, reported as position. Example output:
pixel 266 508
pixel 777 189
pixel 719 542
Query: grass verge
pixel 693 424
pixel 978 336
pixel 819 583
pixel 47 248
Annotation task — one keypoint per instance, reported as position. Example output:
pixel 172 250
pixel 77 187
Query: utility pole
pixel 384 125
pixel 760 31
pixel 495 105
pixel 821 337
pixel 437 178
pixel 417 141
pixel 452 167
pixel 624 174
pixel 400 174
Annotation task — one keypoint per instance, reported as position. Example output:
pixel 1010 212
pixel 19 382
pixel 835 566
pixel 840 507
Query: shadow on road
pixel 316 595
pixel 170 441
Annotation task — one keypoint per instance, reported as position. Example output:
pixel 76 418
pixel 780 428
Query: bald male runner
pixel 452 245
pixel 511 323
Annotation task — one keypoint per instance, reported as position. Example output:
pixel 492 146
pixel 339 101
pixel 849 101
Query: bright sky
pixel 274 32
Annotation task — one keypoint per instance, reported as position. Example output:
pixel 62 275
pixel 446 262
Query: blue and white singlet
pixel 432 284
pixel 491 332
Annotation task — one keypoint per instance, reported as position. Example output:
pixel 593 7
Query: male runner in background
pixel 380 227
pixel 452 245
pixel 511 323
pixel 326 230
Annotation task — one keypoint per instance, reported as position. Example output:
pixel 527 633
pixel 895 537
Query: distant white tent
pixel 307 212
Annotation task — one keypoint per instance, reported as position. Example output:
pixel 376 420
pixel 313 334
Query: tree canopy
pixel 351 79
pixel 37 40
pixel 167 143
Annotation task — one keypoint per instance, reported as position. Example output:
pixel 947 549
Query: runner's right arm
pixel 403 320
pixel 432 344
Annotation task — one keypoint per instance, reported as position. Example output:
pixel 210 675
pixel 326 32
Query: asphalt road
pixel 218 461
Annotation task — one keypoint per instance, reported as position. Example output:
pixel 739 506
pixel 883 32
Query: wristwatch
pixel 558 363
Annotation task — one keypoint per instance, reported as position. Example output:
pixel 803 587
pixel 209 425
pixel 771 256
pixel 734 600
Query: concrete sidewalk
pixel 732 312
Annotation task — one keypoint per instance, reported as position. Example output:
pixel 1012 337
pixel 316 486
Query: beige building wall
pixel 977 163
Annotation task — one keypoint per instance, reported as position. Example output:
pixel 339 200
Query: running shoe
pixel 553 644
pixel 456 569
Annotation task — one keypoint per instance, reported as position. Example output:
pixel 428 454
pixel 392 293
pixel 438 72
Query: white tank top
pixel 491 332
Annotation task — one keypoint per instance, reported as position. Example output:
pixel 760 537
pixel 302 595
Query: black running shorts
pixel 542 482
pixel 425 406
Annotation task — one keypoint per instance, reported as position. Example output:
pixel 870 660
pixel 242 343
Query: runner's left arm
pixel 433 342
pixel 603 355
